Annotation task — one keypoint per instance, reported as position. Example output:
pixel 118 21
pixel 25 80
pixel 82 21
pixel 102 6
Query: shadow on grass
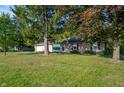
pixel 28 53
pixel 55 53
pixel 85 54
pixel 110 56
pixel 89 54
pixel 63 53
pixel 106 56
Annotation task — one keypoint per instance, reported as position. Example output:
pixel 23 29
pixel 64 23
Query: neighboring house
pixel 71 45
pixel 57 48
pixel 98 47
pixel 40 47
pixel 75 44
pixel 14 49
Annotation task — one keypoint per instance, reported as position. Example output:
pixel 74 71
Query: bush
pixel 1 49
pixel 75 52
pixel 107 52
pixel 122 50
pixel 89 52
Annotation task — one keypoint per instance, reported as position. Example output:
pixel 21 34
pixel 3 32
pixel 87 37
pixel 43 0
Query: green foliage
pixel 29 20
pixel 89 53
pixel 75 52
pixel 7 31
pixel 93 24
pixel 85 22
pixel 122 48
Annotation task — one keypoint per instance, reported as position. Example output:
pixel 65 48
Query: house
pixel 40 47
pixel 98 47
pixel 75 44
pixel 71 44
pixel 57 48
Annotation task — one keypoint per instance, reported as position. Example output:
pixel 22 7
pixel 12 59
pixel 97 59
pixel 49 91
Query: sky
pixel 5 8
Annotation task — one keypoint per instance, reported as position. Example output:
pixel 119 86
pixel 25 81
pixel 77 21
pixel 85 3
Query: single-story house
pixel 57 48
pixel 71 45
pixel 98 47
pixel 40 47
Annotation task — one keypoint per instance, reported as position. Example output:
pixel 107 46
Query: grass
pixel 57 70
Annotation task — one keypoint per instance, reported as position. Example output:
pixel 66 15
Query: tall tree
pixel 6 32
pixel 117 29
pixel 92 26
pixel 45 31
pixel 29 20
pixel 34 23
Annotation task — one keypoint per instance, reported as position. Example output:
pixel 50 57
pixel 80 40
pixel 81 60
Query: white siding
pixel 50 48
pixel 40 48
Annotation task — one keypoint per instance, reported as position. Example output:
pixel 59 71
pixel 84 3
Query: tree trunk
pixel 45 33
pixel 5 43
pixel 116 51
pixel 91 44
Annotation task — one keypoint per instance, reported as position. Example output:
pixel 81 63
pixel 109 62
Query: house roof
pixel 72 40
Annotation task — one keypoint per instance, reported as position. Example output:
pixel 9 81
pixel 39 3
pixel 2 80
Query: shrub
pixel 89 52
pixel 75 52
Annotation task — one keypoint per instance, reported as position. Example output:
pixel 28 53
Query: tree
pixel 6 32
pixel 81 23
pixel 34 23
pixel 107 26
pixel 117 29
pixel 29 20
pixel 101 24
pixel 45 31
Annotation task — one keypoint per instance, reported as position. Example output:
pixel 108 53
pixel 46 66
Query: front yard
pixel 59 70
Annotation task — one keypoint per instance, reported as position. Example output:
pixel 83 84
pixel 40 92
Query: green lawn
pixel 30 69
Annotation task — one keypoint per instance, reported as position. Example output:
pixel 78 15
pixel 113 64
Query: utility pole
pixel 45 31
